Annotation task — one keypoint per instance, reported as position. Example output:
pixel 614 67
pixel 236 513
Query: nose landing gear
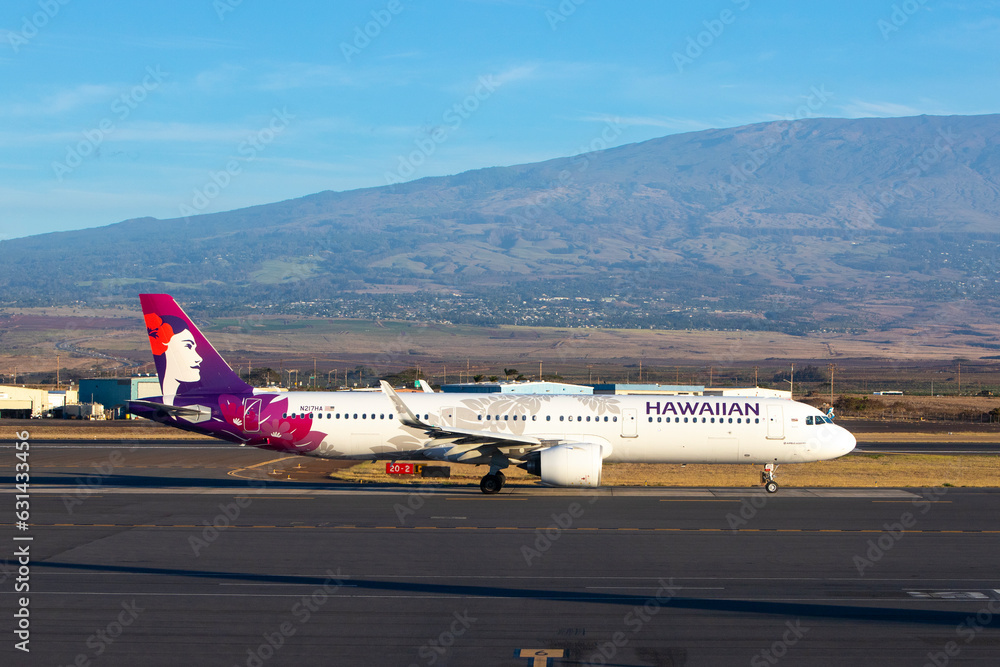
pixel 767 478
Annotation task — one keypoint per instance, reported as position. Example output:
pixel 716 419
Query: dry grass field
pixel 30 339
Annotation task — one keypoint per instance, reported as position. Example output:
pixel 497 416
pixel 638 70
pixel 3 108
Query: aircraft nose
pixel 845 442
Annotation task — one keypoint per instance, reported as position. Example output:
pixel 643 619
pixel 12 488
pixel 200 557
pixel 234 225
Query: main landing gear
pixel 767 478
pixel 492 482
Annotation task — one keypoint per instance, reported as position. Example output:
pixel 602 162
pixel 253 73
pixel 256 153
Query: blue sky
pixel 110 110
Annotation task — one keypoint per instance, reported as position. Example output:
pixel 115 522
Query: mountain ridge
pixel 807 223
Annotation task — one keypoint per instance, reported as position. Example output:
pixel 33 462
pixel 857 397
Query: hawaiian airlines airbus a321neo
pixel 563 439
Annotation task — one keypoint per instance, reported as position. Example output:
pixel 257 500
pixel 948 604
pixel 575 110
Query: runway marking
pixel 232 473
pixel 651 587
pixel 540 657
pixel 607 529
pixel 909 502
pixel 477 496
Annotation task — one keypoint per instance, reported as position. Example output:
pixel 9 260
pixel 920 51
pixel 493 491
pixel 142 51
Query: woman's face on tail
pixel 183 360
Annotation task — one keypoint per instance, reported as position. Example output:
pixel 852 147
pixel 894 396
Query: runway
pixel 944 448
pixel 139 564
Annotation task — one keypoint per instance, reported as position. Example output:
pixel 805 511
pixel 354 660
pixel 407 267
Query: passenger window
pixel 650 420
pixel 548 418
pixel 562 418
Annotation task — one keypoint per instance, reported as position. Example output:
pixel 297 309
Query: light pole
pixel 791 384
pixel 833 367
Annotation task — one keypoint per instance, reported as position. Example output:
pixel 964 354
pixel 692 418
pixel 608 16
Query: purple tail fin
pixel 186 362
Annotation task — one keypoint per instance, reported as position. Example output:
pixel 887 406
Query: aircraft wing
pixel 464 435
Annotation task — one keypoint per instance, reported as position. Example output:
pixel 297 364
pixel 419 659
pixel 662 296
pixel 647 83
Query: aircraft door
pixel 630 423
pixel 251 415
pixel 775 422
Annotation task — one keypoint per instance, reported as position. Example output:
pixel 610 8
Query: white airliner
pixel 565 439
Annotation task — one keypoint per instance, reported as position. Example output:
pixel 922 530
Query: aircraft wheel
pixel 490 484
pixel 771 487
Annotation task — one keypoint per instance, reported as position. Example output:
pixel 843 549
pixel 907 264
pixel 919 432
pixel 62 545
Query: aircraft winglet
pixel 405 414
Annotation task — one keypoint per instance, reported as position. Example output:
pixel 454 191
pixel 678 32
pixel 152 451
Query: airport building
pixel 114 393
pixel 23 402
pixel 632 389
pixel 517 388
pixel 688 390
pixel 27 403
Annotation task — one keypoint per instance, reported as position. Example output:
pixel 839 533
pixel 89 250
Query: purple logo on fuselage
pixel 720 409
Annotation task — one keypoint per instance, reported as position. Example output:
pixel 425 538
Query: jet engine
pixel 567 465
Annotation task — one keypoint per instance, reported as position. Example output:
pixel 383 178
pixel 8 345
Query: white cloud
pixel 666 122
pixel 63 101
pixel 862 109
pixel 516 74
pixel 221 77
pixel 304 75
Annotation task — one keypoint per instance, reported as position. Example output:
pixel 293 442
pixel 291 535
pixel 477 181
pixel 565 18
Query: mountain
pixel 815 223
